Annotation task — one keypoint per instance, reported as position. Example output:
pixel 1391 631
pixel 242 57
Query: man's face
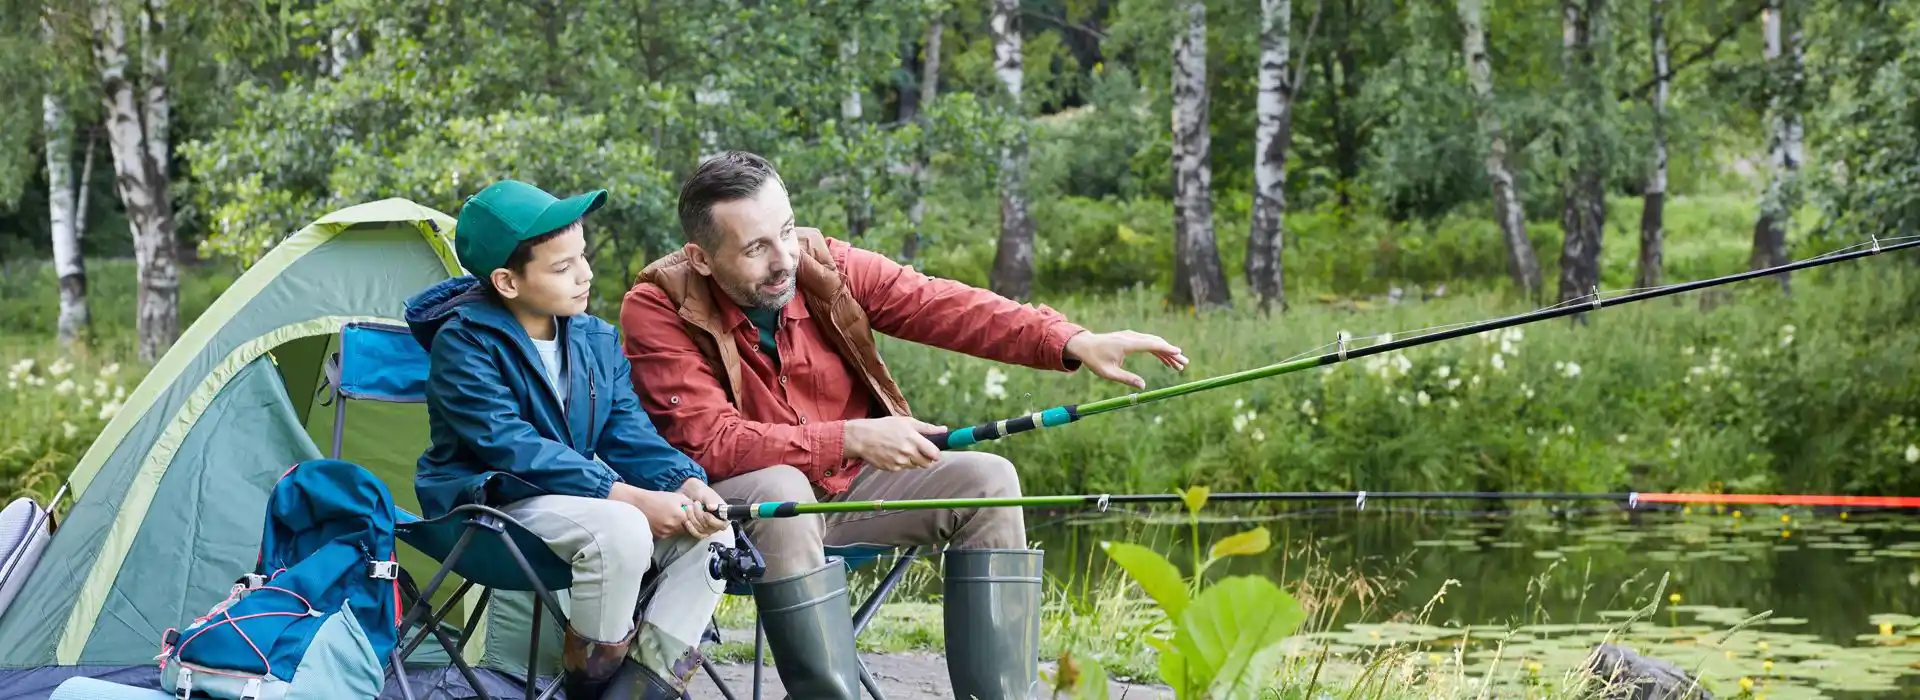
pixel 556 280
pixel 755 252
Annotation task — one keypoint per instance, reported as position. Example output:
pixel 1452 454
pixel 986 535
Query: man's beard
pixel 749 296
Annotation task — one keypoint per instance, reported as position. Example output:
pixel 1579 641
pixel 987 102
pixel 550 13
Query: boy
pixel 532 412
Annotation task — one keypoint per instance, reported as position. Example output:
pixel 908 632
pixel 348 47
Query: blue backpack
pixel 319 615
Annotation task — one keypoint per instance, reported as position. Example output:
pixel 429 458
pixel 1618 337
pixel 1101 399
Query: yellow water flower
pixel 1766 666
pixel 1736 514
pixel 1843 515
pixel 1786 518
pixel 1785 533
pixel 1746 684
pixel 1763 645
pixel 1886 629
pixel 1533 667
pixel 1674 599
pixel 1687 510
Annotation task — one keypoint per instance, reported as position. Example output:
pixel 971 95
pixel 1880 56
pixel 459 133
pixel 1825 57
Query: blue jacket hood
pixel 429 309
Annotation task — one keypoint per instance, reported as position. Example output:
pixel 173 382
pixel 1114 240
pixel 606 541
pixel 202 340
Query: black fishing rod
pixel 1062 415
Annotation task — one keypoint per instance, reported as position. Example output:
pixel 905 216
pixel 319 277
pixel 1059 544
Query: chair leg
pixel 759 654
pixel 866 679
pixel 533 651
pixel 714 673
pixel 880 594
pixel 546 600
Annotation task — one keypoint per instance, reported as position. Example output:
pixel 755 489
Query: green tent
pixel 168 502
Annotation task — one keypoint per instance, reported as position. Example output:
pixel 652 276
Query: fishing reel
pixel 740 564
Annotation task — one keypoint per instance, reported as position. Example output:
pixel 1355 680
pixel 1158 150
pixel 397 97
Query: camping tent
pixel 168 502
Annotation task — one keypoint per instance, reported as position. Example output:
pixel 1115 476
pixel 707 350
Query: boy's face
pixel 556 280
pixel 756 252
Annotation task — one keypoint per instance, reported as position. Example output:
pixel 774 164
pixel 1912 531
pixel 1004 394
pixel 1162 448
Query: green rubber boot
pixel 993 623
pixel 809 625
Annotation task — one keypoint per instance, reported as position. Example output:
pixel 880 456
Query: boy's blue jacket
pixel 499 433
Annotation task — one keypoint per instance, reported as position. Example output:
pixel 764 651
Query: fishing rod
pixel 1632 499
pixel 1062 415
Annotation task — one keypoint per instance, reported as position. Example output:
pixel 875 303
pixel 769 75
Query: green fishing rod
pixel 1062 415
pixel 1631 499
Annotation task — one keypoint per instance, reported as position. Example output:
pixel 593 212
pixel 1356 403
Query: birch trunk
pixel 859 201
pixel 929 89
pixel 1198 280
pixel 1783 141
pixel 1654 200
pixel 1272 131
pixel 137 120
pixel 1583 208
pixel 1521 262
pixel 1012 274
pixel 64 217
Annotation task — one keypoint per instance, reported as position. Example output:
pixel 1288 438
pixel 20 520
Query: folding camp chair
pixel 481 545
pixel 854 558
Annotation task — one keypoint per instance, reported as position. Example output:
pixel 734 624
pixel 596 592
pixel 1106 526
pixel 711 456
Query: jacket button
pixel 675 400
pixel 827 473
pixel 783 380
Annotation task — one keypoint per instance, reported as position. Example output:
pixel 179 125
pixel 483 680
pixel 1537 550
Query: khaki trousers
pixel 611 548
pixel 793 545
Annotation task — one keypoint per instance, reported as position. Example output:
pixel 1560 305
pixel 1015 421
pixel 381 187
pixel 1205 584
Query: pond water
pixel 1839 594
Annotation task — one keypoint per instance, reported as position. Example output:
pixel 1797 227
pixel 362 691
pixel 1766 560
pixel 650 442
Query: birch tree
pixel 929 89
pixel 1197 278
pixel 1583 211
pixel 1012 274
pixel 1784 142
pixel 1272 131
pixel 138 111
pixel 66 204
pixel 1654 199
pixel 859 202
pixel 1522 265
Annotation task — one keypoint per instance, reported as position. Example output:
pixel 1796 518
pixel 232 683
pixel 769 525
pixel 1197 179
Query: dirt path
pixel 904 676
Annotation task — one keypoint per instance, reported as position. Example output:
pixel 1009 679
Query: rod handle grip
pixel 753 511
pixel 967 437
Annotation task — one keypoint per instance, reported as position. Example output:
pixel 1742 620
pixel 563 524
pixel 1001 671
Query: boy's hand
pixel 703 522
pixel 667 511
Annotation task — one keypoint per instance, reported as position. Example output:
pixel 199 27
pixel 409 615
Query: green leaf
pixel 1195 497
pixel 1154 573
pixel 1093 681
pixel 1228 624
pixel 1252 541
pixel 1173 667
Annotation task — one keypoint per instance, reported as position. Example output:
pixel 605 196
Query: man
pixel 753 350
pixel 531 412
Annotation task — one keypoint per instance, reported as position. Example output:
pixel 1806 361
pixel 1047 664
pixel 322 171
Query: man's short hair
pixel 727 177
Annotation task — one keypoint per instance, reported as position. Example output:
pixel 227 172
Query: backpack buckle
pixel 388 570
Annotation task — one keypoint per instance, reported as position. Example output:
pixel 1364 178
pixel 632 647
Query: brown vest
pixel 821 287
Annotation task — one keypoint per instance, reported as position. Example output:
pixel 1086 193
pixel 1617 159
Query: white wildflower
pixel 1453 403
pixel 1443 371
pixel 1526 390
pixel 1404 401
pixel 1674 443
pixel 110 370
pixel 1423 398
pixel 1499 362
pixel 1239 422
pixel 1572 370
pixel 86 403
pixel 996 384
pixel 1239 404
pixel 1475 381
pixel 13 385
pixel 64 387
pixel 1306 406
pixel 1514 335
pixel 36 380
pixel 1913 454
pixel 1621 438
pixel 945 377
pixel 119 393
pixel 1403 364
pixel 99 387
pixel 1158 419
pixel 1507 348
pixel 20 369
pixel 59 368
pixel 69 430
pixel 1566 430
pixel 1687 351
pixel 107 411
pixel 1454 383
pixel 1259 436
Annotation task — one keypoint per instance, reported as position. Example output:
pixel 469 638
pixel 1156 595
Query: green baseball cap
pixel 495 221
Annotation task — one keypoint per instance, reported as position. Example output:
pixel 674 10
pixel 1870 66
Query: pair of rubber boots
pixel 593 670
pixel 992 616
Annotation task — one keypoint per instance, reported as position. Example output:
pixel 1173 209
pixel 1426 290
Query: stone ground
pixel 902 676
